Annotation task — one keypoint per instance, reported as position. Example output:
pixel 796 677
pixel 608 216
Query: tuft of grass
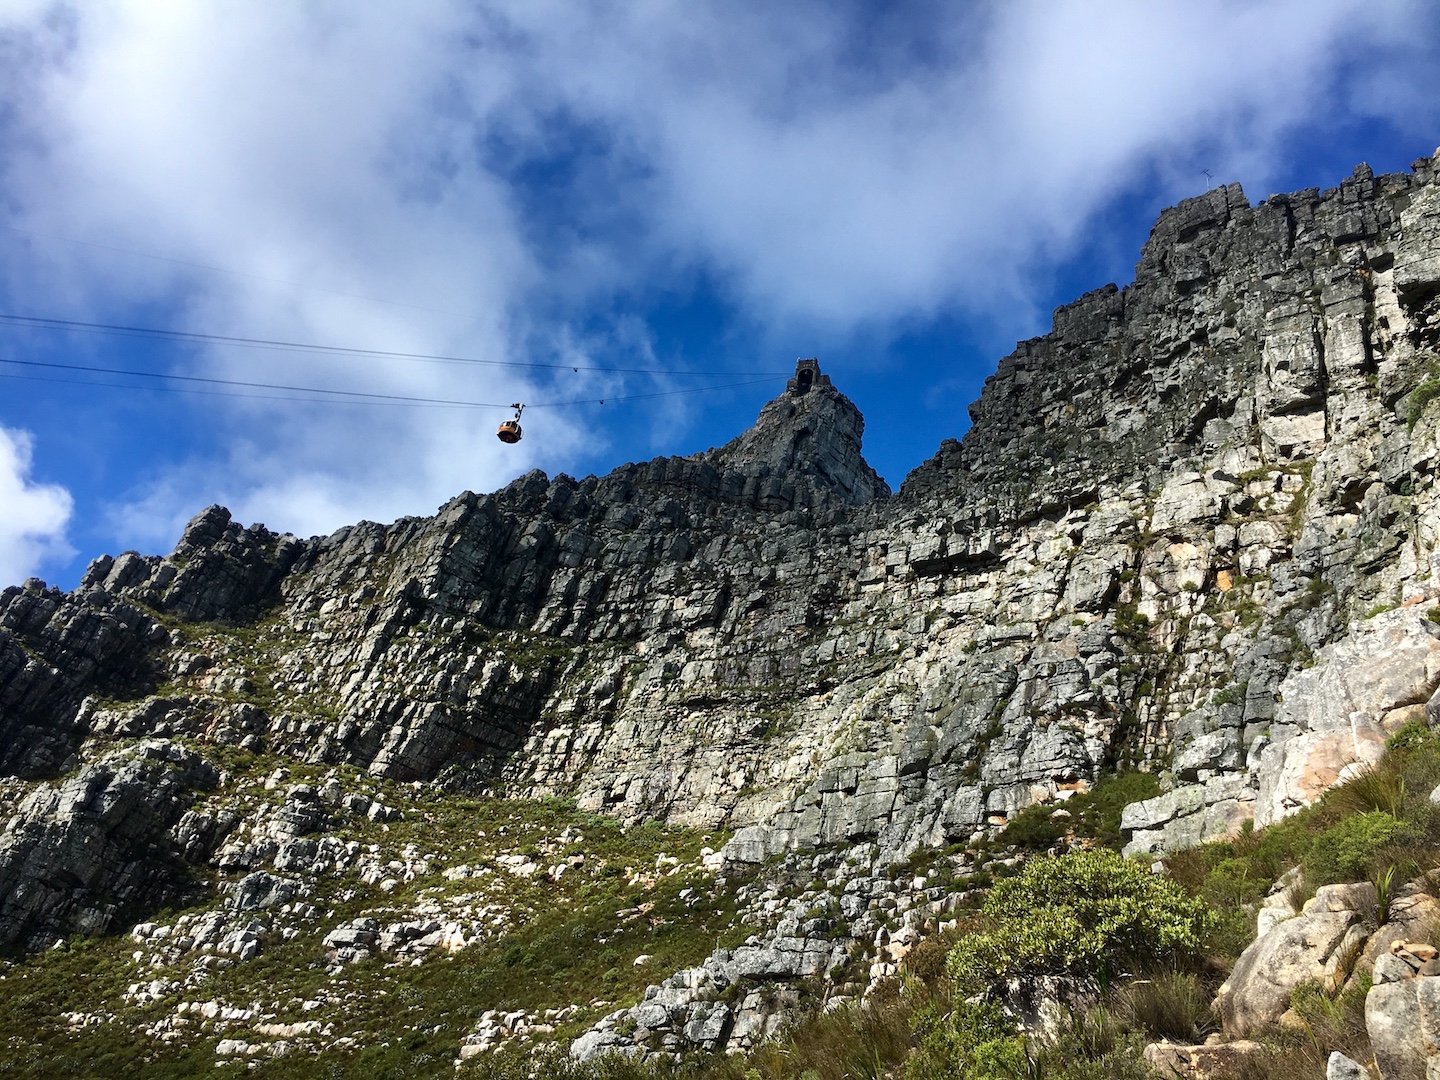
pixel 854 1041
pixel 1172 1005
pixel 1381 786
pixel 1384 895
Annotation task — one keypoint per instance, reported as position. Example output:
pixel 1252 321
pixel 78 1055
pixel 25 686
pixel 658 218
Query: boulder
pixel 1412 910
pixel 1392 1019
pixel 262 890
pixel 1427 1000
pixel 1340 1067
pixel 1179 1061
pixel 1307 947
pixel 1359 897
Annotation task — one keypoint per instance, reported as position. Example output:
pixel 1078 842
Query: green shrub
pixel 1232 883
pixel 1099 810
pixel 1032 828
pixel 976 1041
pixel 1416 735
pixel 1420 397
pixel 1094 814
pixel 1346 850
pixel 1087 913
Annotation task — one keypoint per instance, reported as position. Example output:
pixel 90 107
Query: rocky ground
pixel 359 923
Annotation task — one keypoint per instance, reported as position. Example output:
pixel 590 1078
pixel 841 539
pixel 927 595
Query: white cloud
pixel 842 200
pixel 833 173
pixel 290 145
pixel 32 516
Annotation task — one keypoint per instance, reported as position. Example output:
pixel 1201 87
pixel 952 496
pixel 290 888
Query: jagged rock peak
pixel 810 434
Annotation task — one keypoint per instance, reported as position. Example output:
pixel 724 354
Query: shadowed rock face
pixel 808 440
pixel 54 650
pixel 100 845
pixel 1166 509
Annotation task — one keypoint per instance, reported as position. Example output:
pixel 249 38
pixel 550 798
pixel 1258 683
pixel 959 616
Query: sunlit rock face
pixel 1172 515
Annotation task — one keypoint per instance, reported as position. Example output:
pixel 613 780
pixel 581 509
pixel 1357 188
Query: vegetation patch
pixel 1093 815
pixel 1090 913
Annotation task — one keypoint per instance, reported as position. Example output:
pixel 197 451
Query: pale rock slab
pixel 1258 991
pixel 1393 1020
pixel 1338 708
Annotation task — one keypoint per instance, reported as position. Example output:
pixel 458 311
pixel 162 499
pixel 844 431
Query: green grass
pixel 573 941
pixel 564 942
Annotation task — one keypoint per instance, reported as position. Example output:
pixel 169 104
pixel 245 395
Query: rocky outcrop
pixel 218 571
pixel 1334 717
pixel 738 997
pixel 1331 943
pixel 805 448
pixel 1318 945
pixel 102 845
pixel 1163 543
pixel 1331 719
pixel 55 650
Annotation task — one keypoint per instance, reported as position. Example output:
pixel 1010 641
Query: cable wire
pixel 44 323
pixel 334 396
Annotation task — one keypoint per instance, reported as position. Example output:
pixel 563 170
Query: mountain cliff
pixel 1191 531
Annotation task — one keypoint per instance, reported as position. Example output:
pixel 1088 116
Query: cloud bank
pixel 521 181
pixel 32 516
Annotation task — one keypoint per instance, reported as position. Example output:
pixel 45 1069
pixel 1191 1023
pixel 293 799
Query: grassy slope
pixel 571 941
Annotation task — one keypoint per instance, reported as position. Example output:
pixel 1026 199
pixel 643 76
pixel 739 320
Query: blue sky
pixel 904 190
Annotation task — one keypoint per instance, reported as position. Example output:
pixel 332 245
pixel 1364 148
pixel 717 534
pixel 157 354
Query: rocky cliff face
pixel 1160 545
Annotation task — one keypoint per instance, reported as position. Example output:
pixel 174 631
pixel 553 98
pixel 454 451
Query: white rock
pixel 1338 707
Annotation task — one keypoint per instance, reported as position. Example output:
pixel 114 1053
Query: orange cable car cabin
pixel 509 431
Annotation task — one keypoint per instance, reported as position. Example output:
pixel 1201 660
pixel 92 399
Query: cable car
pixel 510 430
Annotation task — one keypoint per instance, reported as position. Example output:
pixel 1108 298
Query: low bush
pixel 1089 913
pixel 1092 815
pixel 1033 829
pixel 1420 398
pixel 1349 849
pixel 975 1040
